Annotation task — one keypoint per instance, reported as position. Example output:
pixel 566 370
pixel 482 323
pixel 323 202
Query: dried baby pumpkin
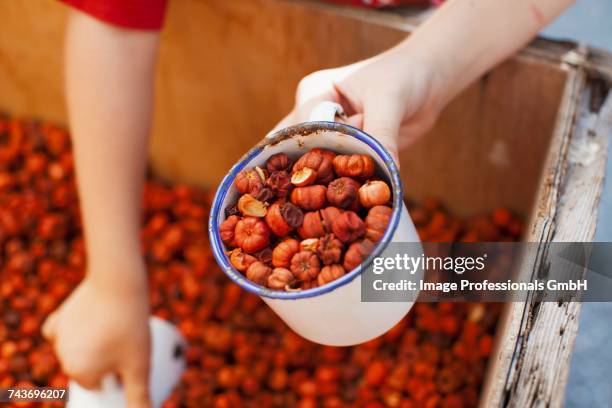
pixel 330 249
pixel 280 278
pixel 240 260
pixel 325 152
pixel 266 194
pixel 292 214
pixel 249 181
pixel 252 234
pixel 328 215
pixel 278 162
pixel 226 230
pixel 319 162
pixel 312 226
pixel 348 226
pixel 309 198
pixel 357 253
pixel 305 265
pixel 330 273
pixel 374 193
pixel 303 177
pixel 276 221
pixel 284 251
pixel 280 183
pixel 249 206
pixel 258 272
pixel 377 221
pixel 309 244
pixel 265 255
pixel 359 166
pixel 342 192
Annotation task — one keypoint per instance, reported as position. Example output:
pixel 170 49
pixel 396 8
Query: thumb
pixel 136 386
pixel 382 121
pixel 48 328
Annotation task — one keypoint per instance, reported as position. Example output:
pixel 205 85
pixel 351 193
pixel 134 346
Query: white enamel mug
pixel 167 366
pixel 332 314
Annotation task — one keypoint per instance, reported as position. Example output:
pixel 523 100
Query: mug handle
pixel 326 111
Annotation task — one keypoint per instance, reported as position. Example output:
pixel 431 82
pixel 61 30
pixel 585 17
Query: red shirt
pixel 135 14
pixel 149 14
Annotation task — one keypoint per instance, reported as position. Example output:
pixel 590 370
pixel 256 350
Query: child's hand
pixel 99 331
pixel 391 96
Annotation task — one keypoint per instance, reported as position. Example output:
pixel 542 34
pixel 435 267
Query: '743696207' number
pixel 33 394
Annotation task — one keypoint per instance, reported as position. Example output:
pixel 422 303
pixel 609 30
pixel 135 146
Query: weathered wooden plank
pixel 550 340
pixel 541 356
pixel 515 320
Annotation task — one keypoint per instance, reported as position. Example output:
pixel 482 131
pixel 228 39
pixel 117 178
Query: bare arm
pixel 109 82
pixel 397 95
pixel 465 38
pixel 102 328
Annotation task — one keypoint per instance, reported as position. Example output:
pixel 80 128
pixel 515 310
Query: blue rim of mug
pixel 304 129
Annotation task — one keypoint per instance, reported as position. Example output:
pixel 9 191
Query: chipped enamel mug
pixel 333 314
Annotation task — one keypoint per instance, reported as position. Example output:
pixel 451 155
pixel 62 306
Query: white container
pixel 332 314
pixel 167 365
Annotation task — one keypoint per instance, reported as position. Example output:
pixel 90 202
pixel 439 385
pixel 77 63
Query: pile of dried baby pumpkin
pixel 299 225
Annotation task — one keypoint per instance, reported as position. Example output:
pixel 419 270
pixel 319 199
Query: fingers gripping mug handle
pixel 326 111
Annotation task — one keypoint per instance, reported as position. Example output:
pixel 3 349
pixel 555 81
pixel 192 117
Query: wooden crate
pixel 227 73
